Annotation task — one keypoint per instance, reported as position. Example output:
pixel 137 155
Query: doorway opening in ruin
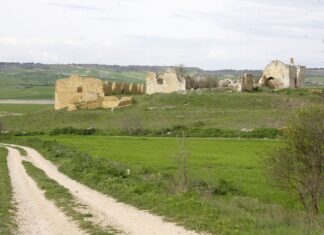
pixel 270 82
pixel 79 89
pixel 160 81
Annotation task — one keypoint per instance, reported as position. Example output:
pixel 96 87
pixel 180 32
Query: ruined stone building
pixel 91 93
pixel 244 83
pixel 279 75
pixel 166 82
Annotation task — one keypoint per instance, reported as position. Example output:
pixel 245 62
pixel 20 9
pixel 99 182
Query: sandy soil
pixel 123 217
pixel 7 101
pixel 35 214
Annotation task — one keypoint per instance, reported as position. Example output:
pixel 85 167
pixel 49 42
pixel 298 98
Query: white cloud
pixel 211 34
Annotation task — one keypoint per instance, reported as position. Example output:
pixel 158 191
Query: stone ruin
pixel 278 75
pixel 244 83
pixel 78 92
pixel 170 81
pixel 167 82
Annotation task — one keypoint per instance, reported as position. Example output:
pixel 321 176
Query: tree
pixel 298 166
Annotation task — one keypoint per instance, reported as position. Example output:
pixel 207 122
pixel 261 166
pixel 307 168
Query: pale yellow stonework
pixel 279 75
pixel 91 93
pixel 167 82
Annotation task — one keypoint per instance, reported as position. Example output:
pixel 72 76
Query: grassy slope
pixel 64 200
pixel 151 190
pixel 213 109
pixel 6 222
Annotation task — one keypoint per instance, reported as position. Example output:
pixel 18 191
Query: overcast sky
pixel 210 34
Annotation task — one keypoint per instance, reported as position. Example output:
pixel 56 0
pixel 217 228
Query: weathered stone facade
pixel 244 83
pixel 77 90
pixel 279 75
pixel 91 93
pixel 167 82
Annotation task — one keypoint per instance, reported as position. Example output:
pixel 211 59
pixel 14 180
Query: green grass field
pixel 237 161
pixel 214 109
pixel 6 205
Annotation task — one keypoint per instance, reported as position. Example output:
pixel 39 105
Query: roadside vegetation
pixel 297 166
pixel 7 224
pixel 65 201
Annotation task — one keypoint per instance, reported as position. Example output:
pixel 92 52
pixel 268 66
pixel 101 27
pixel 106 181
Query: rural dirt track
pixel 35 214
pixel 6 101
pixel 106 210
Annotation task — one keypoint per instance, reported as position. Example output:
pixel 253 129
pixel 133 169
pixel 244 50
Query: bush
pixel 225 187
pixel 73 131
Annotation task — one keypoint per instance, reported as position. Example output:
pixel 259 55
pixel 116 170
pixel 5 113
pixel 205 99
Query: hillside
pixel 36 81
pixel 206 110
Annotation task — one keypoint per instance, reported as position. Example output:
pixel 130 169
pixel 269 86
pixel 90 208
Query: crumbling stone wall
pixel 91 93
pixel 166 82
pixel 246 83
pixel 279 75
pixel 77 90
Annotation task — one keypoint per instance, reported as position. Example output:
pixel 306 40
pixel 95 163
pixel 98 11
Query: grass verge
pixel 64 200
pixel 22 151
pixel 7 225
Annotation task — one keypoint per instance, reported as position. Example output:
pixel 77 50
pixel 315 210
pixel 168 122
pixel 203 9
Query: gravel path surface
pixel 35 214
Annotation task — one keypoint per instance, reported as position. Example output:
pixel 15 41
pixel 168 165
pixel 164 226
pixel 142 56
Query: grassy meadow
pixel 210 160
pixel 210 109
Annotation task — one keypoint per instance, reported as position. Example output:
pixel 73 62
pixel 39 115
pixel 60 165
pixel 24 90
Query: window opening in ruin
pixel 160 81
pixel 79 89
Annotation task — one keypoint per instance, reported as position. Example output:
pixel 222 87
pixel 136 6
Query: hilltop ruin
pixel 78 92
pixel 166 82
pixel 278 75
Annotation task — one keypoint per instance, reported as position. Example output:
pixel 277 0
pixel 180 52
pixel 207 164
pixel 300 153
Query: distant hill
pixel 36 81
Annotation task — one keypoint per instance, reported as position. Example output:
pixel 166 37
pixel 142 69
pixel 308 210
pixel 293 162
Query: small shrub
pixel 73 131
pixel 225 187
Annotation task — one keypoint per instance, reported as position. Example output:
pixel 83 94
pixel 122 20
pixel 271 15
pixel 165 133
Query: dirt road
pixel 35 214
pixel 106 210
pixel 7 101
